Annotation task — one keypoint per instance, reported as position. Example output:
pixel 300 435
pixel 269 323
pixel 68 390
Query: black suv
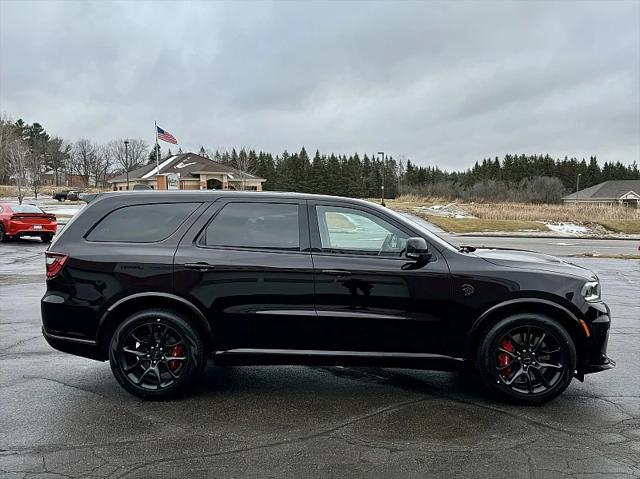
pixel 158 282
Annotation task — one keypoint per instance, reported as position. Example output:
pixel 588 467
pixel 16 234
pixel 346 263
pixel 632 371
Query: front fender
pixel 493 314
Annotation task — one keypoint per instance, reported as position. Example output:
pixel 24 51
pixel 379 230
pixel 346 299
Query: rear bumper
pixel 28 229
pixel 79 347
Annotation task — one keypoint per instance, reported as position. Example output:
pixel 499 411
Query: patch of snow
pixel 451 210
pixel 155 171
pixel 567 228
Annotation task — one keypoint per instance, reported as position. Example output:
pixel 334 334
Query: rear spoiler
pixel 88 197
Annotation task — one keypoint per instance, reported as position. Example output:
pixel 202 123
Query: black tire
pixel 527 358
pixel 46 238
pixel 3 237
pixel 150 337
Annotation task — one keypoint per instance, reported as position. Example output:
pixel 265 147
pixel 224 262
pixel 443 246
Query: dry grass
pixel 552 213
pixel 474 225
pixel 621 226
pixel 411 201
pixel 523 216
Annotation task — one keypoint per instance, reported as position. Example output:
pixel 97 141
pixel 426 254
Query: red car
pixel 25 220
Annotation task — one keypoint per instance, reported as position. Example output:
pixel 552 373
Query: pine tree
pixel 156 151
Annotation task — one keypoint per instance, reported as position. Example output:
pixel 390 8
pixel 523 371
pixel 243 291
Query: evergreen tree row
pixel 363 176
pixel 326 174
pixel 515 168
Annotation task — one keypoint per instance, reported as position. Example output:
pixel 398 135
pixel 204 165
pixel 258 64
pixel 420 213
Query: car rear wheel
pixel 527 358
pixel 156 354
pixel 47 238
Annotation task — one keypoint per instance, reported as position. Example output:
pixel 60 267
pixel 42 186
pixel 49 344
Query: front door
pixel 247 265
pixel 369 296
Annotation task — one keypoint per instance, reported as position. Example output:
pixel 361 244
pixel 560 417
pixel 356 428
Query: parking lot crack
pixel 321 433
pixel 65 384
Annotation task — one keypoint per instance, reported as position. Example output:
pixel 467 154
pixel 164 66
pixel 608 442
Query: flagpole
pixel 157 146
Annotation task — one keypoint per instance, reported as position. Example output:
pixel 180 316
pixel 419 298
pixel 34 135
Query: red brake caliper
pixel 504 358
pixel 176 351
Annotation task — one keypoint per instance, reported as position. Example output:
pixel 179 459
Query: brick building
pixel 188 171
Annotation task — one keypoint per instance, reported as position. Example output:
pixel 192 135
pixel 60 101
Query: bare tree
pixel 57 156
pixel 138 152
pixel 128 157
pixel 18 156
pixel 35 164
pixel 103 166
pixel 7 134
pixel 245 164
pixel 84 159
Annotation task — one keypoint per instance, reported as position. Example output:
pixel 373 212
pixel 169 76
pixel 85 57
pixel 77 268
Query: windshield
pixel 25 209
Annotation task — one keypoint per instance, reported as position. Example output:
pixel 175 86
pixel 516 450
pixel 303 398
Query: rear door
pixel 369 296
pixel 247 263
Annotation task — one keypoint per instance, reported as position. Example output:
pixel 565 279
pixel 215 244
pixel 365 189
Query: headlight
pixel 591 291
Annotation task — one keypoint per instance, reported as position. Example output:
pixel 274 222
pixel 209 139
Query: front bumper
pixel 595 359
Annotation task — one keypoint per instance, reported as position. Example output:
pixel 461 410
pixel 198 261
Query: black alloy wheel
pixel 3 236
pixel 156 354
pixel 528 358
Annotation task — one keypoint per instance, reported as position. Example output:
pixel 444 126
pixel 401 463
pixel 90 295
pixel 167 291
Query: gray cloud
pixel 440 83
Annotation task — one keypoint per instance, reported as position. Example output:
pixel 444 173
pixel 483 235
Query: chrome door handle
pixel 199 266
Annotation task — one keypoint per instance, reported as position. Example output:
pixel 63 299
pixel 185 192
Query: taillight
pixel 54 262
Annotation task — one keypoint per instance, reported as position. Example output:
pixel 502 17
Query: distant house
pixel 614 192
pixel 188 171
pixel 50 178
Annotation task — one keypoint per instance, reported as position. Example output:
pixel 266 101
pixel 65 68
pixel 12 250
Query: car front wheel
pixel 527 358
pixel 156 354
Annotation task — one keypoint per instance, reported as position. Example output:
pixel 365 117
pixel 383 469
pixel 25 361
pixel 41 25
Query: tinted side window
pixel 346 230
pixel 142 223
pixel 255 225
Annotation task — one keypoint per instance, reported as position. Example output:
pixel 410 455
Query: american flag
pixel 166 136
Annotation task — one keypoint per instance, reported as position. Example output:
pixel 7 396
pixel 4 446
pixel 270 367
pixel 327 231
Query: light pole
pixel 578 185
pixel 383 168
pixel 126 160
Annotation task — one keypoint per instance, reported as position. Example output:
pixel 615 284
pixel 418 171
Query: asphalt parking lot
pixel 63 416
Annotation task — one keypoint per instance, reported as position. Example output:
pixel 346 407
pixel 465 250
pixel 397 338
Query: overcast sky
pixel 440 83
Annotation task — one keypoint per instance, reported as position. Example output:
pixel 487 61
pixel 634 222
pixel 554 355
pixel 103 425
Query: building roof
pixel 609 190
pixel 188 166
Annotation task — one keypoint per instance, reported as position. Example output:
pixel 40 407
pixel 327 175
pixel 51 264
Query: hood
pixel 513 258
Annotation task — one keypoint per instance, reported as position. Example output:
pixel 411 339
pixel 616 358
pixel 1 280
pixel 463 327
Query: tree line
pixel 522 178
pixel 28 153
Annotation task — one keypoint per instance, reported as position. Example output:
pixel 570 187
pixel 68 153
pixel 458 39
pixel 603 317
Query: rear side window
pixel 255 225
pixel 142 223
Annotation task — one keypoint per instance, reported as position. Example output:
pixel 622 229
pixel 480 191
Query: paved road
pixel 62 416
pixel 568 246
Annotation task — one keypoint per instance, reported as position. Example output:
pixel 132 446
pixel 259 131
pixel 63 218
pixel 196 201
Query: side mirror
pixel 418 250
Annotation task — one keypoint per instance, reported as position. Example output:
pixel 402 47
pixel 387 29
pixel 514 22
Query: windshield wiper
pixel 467 249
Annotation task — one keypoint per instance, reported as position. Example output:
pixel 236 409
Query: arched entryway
pixel 213 184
